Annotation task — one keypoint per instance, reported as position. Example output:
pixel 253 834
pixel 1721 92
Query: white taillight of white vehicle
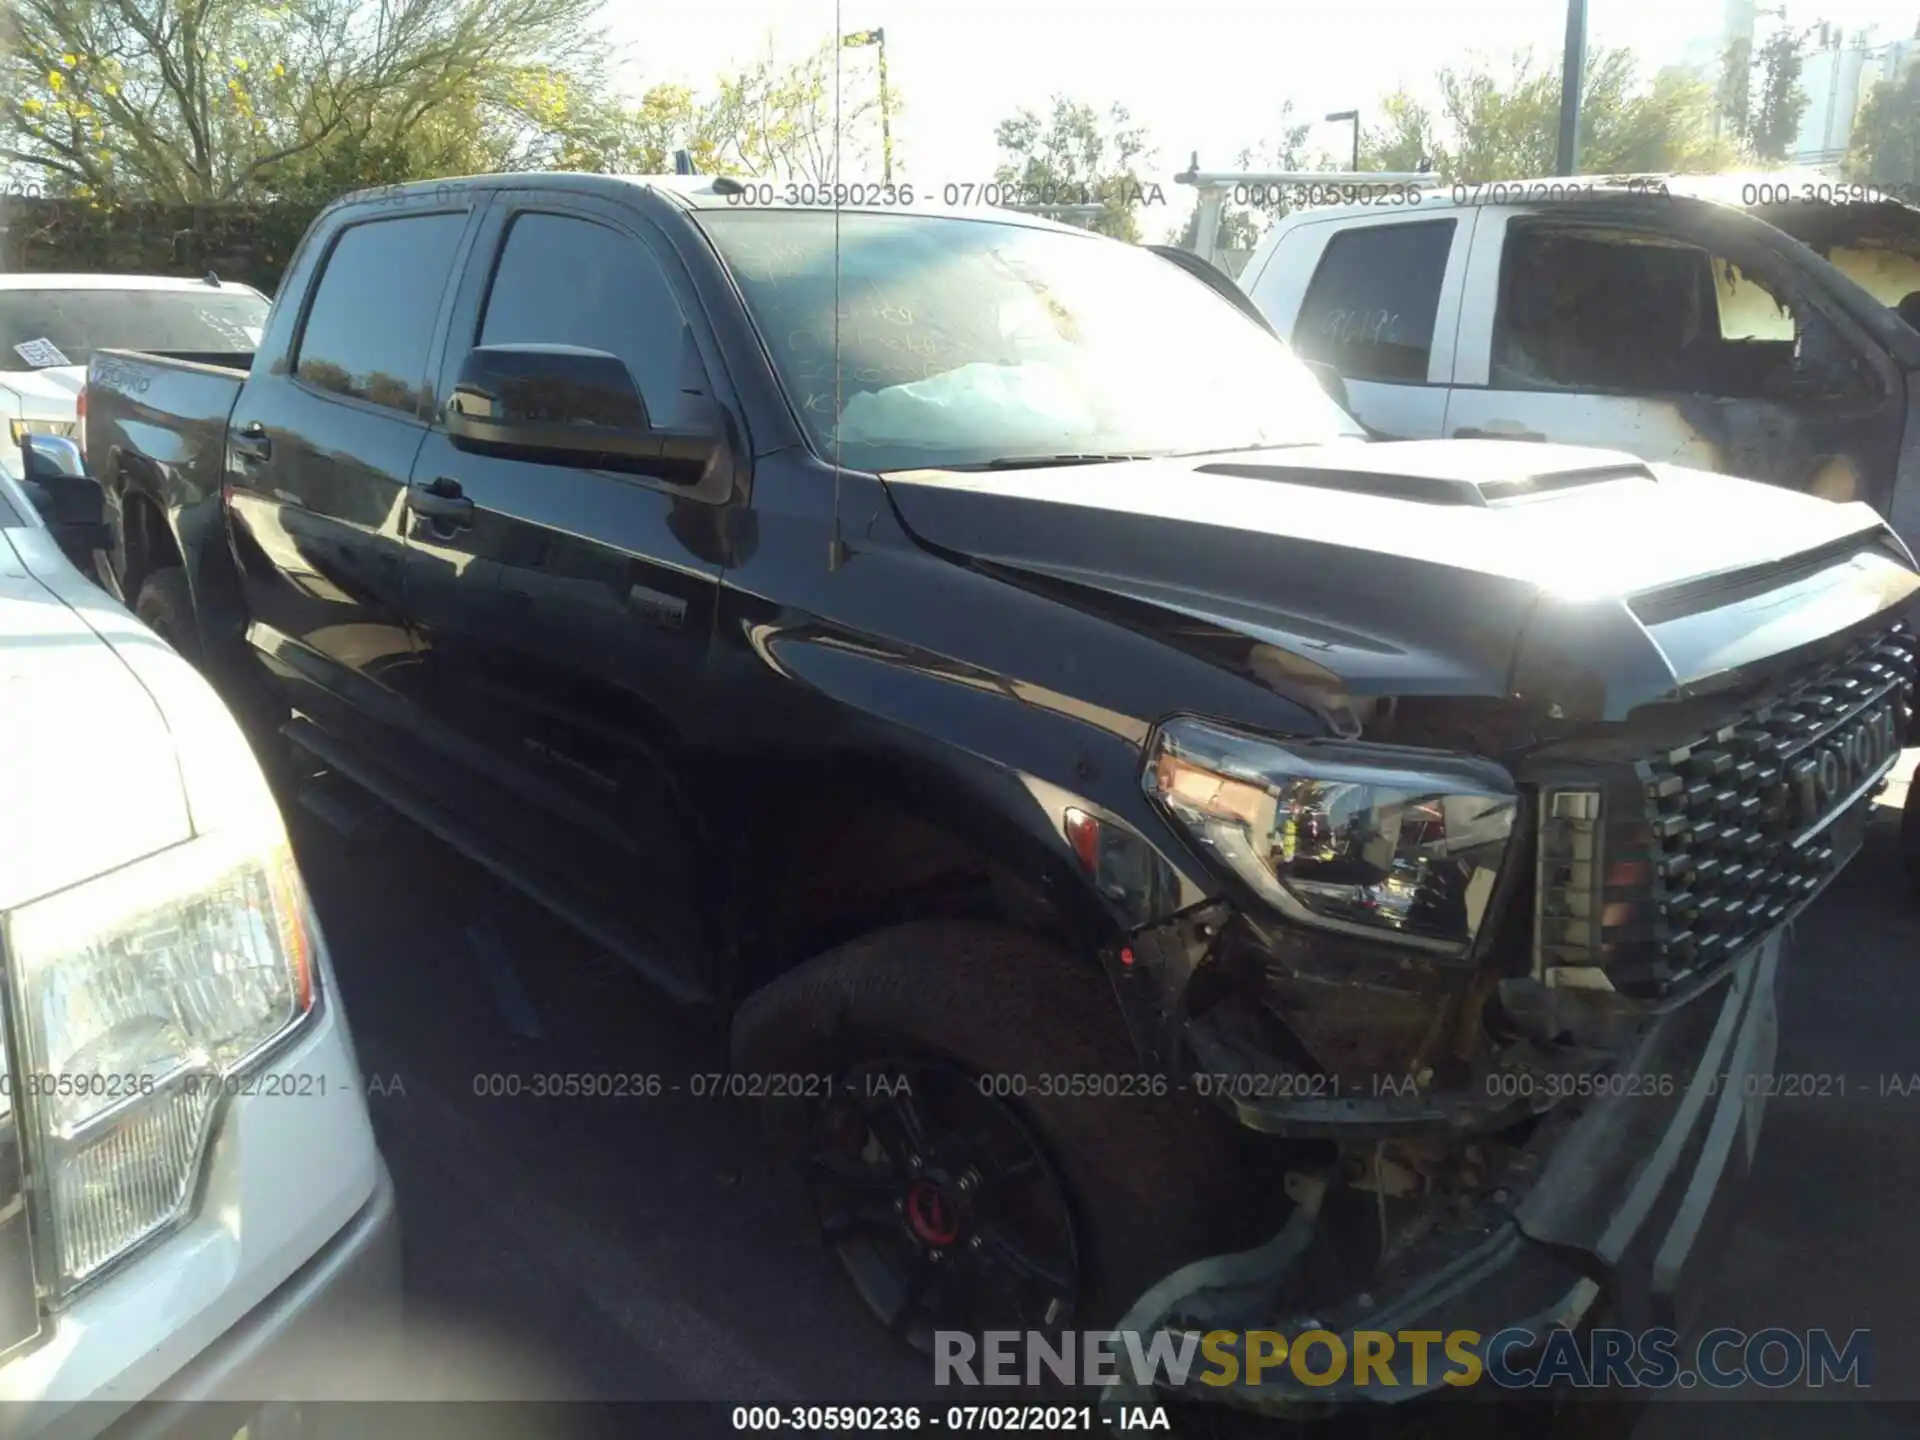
pixel 140 995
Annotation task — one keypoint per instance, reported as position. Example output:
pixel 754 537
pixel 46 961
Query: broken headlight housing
pixel 1369 839
pixel 137 995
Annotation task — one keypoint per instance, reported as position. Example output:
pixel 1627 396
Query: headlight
pixel 23 428
pixel 138 994
pixel 1347 836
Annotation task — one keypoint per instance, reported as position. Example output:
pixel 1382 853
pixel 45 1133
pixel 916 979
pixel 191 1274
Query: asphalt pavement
pixel 636 1246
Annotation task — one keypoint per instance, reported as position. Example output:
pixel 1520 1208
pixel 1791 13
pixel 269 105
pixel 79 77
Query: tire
pixel 166 605
pixel 1150 1182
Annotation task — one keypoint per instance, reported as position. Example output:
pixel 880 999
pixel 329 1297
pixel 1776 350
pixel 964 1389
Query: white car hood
pixel 89 773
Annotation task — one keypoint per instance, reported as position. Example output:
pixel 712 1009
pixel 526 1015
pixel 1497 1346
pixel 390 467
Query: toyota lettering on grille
pixel 1834 770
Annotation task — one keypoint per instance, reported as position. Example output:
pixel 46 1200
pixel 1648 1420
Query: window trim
pixel 1443 337
pixel 429 375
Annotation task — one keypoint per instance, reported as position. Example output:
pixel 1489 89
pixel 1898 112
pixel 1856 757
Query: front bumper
pixel 297 1345
pixel 1630 1203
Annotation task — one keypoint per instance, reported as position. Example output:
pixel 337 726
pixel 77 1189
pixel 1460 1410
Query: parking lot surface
pixel 637 1247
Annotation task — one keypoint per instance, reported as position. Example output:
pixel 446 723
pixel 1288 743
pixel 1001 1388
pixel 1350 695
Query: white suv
pixel 192 1205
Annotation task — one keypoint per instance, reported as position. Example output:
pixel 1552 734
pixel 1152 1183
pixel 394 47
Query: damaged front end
pixel 1509 1024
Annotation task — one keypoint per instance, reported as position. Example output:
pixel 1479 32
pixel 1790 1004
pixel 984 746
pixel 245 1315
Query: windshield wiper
pixel 1042 462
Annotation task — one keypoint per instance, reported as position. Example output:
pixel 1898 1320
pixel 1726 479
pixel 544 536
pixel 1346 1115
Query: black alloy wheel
pixel 940 1202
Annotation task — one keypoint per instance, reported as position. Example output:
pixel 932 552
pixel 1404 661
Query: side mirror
pixel 565 405
pixel 1330 381
pixel 68 499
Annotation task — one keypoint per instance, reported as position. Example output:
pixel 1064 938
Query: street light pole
pixel 878 39
pixel 1572 71
pixel 1354 116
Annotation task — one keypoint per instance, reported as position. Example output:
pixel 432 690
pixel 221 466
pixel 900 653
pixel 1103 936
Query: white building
pixel 1838 76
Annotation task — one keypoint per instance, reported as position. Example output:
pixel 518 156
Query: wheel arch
pixel 886 841
pixel 146 540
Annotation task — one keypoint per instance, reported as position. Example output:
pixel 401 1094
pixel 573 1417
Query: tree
pixel 780 124
pixel 1506 126
pixel 1076 152
pixel 1886 138
pixel 1772 120
pixel 206 100
pixel 1735 97
pixel 214 100
pixel 1404 142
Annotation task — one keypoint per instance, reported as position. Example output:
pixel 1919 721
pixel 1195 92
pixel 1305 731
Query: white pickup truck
pixel 1746 324
pixel 192 1204
pixel 50 325
pixel 1758 325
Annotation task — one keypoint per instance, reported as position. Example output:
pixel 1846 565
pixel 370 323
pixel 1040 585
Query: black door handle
pixel 1474 432
pixel 441 501
pixel 250 442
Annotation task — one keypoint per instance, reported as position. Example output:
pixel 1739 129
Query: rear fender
pixel 158 520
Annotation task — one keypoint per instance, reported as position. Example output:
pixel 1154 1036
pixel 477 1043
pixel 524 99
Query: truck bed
pixel 156 439
pixel 179 405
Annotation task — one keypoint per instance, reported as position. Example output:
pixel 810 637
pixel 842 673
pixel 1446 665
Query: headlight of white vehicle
pixel 20 429
pixel 1353 837
pixel 138 994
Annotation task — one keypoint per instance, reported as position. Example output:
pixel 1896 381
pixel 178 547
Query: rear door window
pixel 1370 309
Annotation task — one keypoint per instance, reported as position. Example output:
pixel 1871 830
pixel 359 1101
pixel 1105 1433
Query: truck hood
pixel 1409 567
pixel 88 767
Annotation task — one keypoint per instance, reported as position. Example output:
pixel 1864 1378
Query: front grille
pixel 1657 869
pixel 1742 818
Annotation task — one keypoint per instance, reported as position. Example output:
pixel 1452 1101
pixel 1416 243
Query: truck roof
pixel 698 192
pixel 1730 188
pixel 42 280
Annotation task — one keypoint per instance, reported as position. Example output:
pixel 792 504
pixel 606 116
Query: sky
pixel 1205 75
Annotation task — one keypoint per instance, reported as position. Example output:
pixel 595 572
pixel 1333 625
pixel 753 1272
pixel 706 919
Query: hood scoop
pixel 1492 487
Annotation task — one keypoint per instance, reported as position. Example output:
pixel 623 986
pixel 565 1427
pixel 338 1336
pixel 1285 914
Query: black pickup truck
pixel 1165 856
